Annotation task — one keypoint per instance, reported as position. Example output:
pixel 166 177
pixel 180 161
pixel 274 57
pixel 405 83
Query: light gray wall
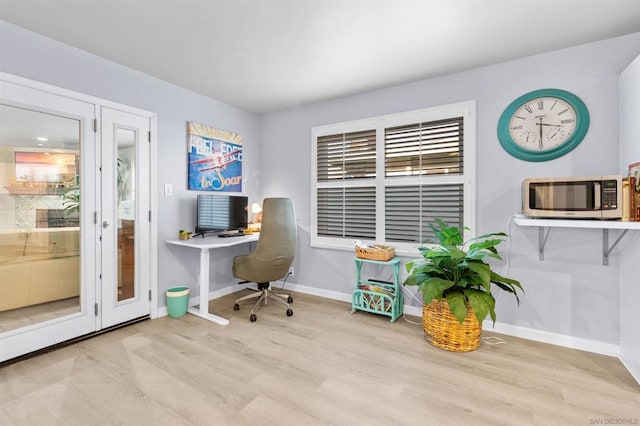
pixel 629 276
pixel 570 293
pixel 32 56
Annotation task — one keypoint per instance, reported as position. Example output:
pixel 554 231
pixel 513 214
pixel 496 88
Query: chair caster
pixel 289 312
pixel 253 318
pixel 290 299
pixel 236 307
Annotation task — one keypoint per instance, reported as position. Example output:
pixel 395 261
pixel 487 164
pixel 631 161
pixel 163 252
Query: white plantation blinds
pixel 385 179
pixel 347 156
pixel 424 148
pixel 410 209
pixel 347 212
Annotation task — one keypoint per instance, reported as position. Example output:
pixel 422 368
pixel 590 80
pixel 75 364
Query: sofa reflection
pixel 39 265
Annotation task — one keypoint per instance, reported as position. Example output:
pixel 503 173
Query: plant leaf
pixel 483 271
pixel 434 287
pixel 482 303
pixel 507 284
pixel 456 253
pixel 458 305
pixel 416 263
pixel 415 278
pixel 485 244
pixel 485 236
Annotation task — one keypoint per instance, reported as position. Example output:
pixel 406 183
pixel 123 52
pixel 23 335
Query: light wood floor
pixel 321 366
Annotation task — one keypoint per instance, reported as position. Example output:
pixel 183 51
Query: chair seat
pixel 273 256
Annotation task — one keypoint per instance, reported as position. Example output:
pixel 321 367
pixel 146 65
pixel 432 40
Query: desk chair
pixel 273 256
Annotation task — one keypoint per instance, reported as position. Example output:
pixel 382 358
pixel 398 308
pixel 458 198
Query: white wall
pixel 29 55
pixel 629 275
pixel 570 293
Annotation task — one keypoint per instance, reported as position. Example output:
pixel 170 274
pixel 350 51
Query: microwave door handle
pixel 597 204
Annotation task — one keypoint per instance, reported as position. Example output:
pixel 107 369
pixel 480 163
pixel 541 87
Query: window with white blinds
pixel 386 179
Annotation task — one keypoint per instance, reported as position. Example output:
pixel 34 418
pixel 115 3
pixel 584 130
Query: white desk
pixel 204 245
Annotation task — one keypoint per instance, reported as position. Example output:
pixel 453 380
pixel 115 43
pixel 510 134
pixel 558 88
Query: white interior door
pixel 124 224
pixel 48 198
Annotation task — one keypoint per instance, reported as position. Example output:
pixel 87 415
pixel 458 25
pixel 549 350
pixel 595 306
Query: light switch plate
pixel 168 190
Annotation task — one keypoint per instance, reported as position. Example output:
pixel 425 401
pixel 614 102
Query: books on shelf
pixel 631 194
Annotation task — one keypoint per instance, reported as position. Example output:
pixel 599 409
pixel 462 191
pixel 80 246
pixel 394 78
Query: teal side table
pixel 378 297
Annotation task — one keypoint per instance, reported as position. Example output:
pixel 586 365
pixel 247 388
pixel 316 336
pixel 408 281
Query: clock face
pixel 543 125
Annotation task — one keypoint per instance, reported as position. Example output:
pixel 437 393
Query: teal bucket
pixel 177 301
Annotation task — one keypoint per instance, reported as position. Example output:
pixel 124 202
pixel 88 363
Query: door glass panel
pixel 39 217
pixel 125 140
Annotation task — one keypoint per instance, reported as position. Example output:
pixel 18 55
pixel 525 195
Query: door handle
pixel 105 224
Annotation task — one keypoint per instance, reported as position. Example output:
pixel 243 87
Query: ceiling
pixel 264 55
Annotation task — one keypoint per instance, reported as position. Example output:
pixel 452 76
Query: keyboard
pixel 227 234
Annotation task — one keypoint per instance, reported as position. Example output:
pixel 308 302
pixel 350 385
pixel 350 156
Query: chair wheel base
pixel 236 307
pixel 290 299
pixel 253 318
pixel 289 312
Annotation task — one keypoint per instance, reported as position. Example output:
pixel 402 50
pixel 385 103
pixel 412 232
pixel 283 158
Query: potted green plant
pixel 184 235
pixel 456 286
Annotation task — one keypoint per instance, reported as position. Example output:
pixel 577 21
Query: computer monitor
pixel 217 213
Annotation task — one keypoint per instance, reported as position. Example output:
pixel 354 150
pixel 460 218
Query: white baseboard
pixel 582 344
pixel 628 366
pixel 507 329
pixel 579 343
pixel 328 294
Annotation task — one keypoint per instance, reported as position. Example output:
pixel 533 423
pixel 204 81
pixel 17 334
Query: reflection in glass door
pixel 126 212
pixel 39 217
pixel 47 203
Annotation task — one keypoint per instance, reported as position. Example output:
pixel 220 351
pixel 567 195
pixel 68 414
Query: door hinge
pixel 100 276
pixel 100 237
pixel 95 125
pixel 149 295
pixel 149 215
pixel 95 218
pixel 96 309
pixel 149 136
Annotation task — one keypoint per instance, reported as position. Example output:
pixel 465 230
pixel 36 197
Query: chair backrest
pixel 278 232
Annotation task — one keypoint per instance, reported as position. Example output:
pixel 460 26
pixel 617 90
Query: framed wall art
pixel 215 159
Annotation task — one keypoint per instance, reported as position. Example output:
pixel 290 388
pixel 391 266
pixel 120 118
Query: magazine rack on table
pixel 378 297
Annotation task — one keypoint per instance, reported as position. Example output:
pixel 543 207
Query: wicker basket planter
pixel 443 330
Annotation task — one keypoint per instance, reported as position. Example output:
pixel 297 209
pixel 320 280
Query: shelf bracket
pixel 606 250
pixel 542 241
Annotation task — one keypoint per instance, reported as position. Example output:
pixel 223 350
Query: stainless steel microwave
pixel 590 197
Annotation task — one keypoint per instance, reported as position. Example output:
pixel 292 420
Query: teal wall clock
pixel 543 125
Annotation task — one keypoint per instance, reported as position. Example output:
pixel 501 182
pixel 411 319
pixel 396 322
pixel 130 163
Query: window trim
pixel 466 109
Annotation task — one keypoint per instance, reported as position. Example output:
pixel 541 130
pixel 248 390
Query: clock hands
pixel 540 124
pixel 540 141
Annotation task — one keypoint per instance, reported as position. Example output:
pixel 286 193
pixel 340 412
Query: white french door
pixel 124 222
pixel 74 215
